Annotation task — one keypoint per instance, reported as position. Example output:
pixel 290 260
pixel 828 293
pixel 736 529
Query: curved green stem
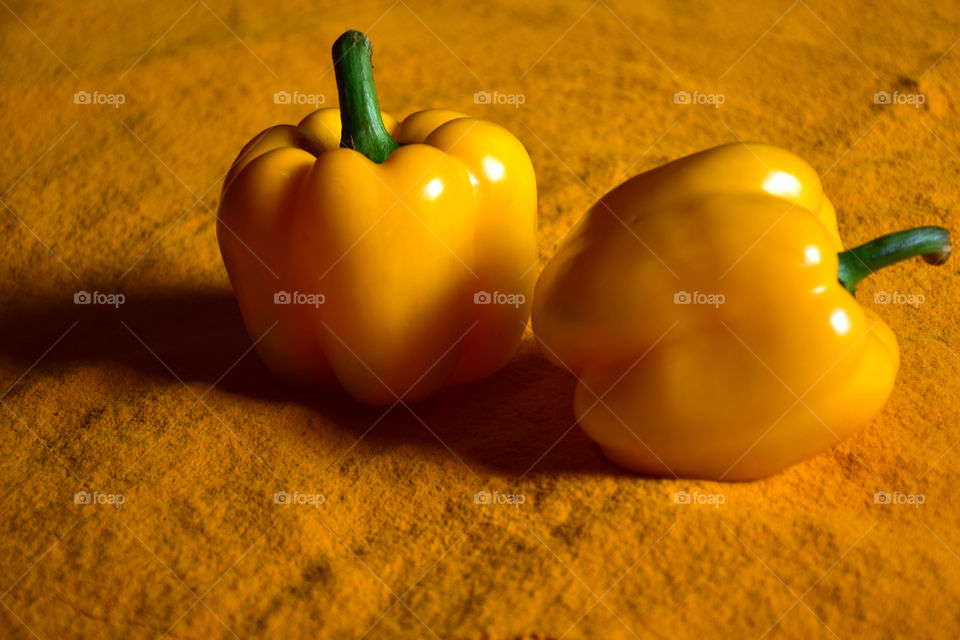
pixel 933 243
pixel 363 128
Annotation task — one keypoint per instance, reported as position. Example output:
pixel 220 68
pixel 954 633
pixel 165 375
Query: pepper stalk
pixel 931 243
pixel 362 126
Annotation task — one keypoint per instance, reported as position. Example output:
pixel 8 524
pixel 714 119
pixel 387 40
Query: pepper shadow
pixel 517 421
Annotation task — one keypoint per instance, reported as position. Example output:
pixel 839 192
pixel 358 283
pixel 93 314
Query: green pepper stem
pixel 363 129
pixel 932 243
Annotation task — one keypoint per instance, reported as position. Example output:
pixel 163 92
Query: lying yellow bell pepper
pixel 706 307
pixel 393 268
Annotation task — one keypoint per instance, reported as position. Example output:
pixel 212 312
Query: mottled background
pixel 162 401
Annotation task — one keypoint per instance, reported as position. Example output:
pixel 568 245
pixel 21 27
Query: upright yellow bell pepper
pixel 706 307
pixel 393 268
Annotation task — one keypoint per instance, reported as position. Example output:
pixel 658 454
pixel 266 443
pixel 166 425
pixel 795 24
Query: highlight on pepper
pixel 358 245
pixel 707 309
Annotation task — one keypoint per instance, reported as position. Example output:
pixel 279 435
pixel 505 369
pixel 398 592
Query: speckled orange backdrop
pixel 161 404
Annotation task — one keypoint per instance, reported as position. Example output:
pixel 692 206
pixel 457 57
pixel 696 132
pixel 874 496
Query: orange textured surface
pixel 160 400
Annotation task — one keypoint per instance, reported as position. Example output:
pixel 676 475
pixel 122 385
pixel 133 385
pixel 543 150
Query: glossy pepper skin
pixel 675 380
pixel 399 247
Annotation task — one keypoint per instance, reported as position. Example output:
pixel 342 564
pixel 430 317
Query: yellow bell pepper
pixel 706 307
pixel 392 268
